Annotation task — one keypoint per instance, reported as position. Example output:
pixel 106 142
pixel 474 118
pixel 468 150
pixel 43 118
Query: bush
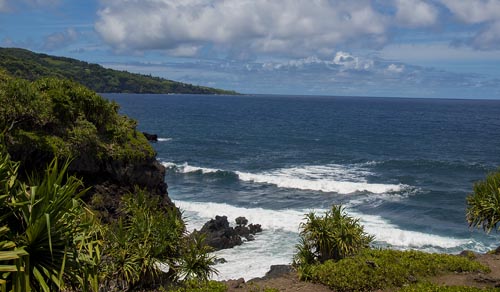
pixel 483 205
pixel 381 269
pixel 333 236
pixel 146 237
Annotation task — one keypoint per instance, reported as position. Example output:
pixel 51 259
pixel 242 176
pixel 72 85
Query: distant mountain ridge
pixel 26 64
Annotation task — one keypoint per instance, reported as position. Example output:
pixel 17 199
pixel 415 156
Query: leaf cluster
pixel 51 118
pixel 335 235
pixel 49 227
pixel 148 240
pixel 483 205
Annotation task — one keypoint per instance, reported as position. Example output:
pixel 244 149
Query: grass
pixel 380 269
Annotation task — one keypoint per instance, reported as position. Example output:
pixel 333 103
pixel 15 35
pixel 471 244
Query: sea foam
pixel 342 179
pixel 276 244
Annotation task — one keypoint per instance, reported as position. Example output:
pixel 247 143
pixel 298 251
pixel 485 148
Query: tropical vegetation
pixel 28 65
pixel 334 251
pixel 51 240
pixel 483 205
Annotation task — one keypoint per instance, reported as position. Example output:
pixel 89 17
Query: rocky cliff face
pixel 114 178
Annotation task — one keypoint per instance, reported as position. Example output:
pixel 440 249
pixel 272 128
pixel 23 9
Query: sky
pixel 405 48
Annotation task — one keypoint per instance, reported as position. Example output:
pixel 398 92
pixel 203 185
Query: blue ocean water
pixel 404 166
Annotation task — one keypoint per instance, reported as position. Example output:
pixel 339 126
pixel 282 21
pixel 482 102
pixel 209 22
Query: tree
pixel 483 205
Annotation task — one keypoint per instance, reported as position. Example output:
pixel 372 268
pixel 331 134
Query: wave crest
pixel 342 179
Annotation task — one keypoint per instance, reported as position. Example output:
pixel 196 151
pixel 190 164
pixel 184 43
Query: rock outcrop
pixel 219 235
pixel 150 137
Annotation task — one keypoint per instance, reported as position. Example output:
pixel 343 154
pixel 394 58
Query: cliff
pixel 52 117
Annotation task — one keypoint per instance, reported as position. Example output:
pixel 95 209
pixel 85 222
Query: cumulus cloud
pixel 474 11
pixel 486 12
pixel 393 68
pixel 416 13
pixel 59 40
pixel 279 26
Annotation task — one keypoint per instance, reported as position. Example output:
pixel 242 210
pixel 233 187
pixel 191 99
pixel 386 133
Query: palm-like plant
pixel 196 262
pixel 334 236
pixel 483 205
pixel 49 222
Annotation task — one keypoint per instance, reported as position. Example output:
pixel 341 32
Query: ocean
pixel 404 166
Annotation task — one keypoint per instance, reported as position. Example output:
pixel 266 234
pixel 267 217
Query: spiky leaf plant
pixel 483 205
pixel 335 235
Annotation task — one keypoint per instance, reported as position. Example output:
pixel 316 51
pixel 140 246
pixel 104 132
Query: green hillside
pixel 32 66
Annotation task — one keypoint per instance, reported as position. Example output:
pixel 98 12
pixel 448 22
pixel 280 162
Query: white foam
pixel 274 220
pixel 320 184
pixel 391 234
pixel 342 179
pixel 276 244
pixel 164 139
pixel 186 168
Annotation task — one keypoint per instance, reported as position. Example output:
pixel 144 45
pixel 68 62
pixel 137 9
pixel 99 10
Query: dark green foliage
pixel 59 118
pixel 332 236
pixel 31 66
pixel 483 205
pixel 147 236
pixel 48 222
pixel 381 269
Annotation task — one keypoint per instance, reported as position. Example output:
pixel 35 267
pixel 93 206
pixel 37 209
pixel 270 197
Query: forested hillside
pixel 28 65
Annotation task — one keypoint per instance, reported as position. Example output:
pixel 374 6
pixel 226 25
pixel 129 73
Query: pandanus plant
pixel 51 225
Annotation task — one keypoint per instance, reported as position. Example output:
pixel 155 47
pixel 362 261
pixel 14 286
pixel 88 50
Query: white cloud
pixel 474 11
pixel 348 61
pixel 58 40
pixel 280 26
pixel 486 12
pixel 489 38
pixel 416 13
pixel 393 68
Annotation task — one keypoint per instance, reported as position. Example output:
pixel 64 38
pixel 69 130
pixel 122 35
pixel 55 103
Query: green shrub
pixel 380 269
pixel 483 205
pixel 146 236
pixel 333 236
pixel 51 118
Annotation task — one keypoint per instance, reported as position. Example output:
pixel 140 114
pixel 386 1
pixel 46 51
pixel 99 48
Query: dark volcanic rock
pixel 115 178
pixel 277 271
pixel 151 137
pixel 219 235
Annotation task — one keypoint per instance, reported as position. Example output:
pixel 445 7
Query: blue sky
pixel 408 48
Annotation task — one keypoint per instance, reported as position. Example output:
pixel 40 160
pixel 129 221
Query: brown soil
pixel 290 282
pixel 482 280
pixel 287 282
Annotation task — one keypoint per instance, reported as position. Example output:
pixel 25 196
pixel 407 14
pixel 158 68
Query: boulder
pixel 151 137
pixel 277 271
pixel 219 235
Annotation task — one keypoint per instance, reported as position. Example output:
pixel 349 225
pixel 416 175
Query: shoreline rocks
pixel 219 235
